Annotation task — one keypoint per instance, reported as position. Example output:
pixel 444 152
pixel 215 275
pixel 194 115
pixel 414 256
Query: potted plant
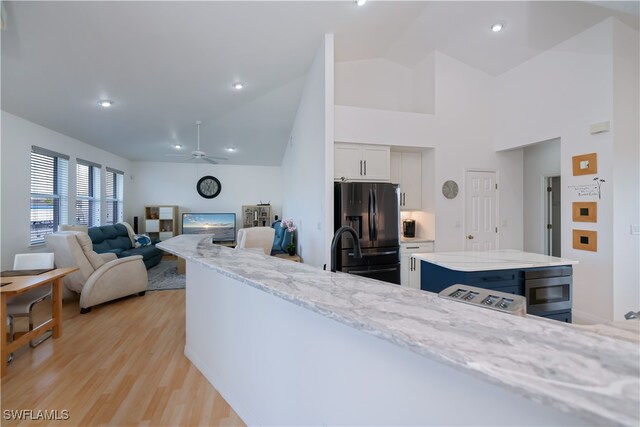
pixel 291 228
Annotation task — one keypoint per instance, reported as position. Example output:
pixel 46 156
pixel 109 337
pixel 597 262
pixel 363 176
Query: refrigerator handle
pixel 375 215
pixel 370 207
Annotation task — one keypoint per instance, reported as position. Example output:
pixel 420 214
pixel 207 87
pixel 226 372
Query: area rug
pixel 165 276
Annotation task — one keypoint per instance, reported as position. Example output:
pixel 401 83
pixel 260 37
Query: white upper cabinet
pixel 347 161
pixel 359 162
pixel 406 170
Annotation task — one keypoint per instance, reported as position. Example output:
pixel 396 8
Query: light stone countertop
pixel 594 376
pixel 499 259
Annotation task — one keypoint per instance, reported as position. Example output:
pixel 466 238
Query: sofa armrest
pixel 108 256
pixel 115 279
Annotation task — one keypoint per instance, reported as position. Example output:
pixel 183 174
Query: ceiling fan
pixel 198 154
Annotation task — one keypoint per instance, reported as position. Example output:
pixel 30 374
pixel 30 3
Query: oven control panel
pixel 487 298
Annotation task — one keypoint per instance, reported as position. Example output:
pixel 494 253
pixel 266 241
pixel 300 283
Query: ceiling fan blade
pixel 216 158
pixel 178 155
pixel 208 160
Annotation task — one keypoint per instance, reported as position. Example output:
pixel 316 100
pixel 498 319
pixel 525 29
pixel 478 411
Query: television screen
pixel 221 225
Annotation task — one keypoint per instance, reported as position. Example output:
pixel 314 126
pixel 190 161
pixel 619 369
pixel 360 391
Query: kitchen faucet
pixel 357 252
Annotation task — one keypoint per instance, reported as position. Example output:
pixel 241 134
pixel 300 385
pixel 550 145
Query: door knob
pixel 470 237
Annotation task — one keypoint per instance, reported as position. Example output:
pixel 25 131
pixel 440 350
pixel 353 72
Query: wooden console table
pixel 12 286
pixel 294 258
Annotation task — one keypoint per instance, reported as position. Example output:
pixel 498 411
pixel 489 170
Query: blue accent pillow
pixel 141 240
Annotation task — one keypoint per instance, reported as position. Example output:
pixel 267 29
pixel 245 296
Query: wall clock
pixel 209 187
pixel 450 189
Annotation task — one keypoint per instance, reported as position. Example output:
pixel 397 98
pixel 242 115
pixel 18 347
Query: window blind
pixel 87 193
pixel 114 196
pixel 49 190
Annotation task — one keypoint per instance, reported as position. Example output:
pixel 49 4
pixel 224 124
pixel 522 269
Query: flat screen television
pixel 221 225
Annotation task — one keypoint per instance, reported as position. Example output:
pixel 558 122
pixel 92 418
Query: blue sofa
pixel 115 239
pixel 281 239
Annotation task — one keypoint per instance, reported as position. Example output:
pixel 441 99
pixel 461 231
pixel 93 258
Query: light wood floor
pixel 121 364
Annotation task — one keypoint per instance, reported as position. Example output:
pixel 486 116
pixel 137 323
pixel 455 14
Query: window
pixel 114 199
pixel 87 193
pixel 49 187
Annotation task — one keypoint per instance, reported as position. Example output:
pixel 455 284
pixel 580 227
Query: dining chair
pixel 22 305
pixel 256 237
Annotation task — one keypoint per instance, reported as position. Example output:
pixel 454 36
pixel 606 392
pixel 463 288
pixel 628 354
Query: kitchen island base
pixel 277 363
pixel 544 281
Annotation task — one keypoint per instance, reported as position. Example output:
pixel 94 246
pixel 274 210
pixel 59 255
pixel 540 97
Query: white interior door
pixel 480 211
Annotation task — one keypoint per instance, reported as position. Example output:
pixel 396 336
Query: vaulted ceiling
pixel 168 64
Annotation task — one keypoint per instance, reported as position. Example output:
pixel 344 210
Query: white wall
pixel 540 160
pixel 308 161
pixel 560 93
pixel 383 84
pixel 626 173
pixel 460 132
pixel 156 183
pixel 18 135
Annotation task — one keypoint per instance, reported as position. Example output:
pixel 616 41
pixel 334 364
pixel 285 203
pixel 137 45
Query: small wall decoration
pixel 450 189
pixel 585 164
pixel 585 211
pixel 599 182
pixel 585 240
pixel 584 190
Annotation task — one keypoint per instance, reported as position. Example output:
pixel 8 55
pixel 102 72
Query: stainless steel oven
pixel 548 290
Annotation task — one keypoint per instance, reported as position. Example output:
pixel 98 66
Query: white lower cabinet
pixel 410 266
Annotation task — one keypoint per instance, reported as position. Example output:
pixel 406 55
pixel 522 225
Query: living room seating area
pixel 117 239
pixel 101 277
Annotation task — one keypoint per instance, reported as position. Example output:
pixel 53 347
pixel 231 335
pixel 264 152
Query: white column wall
pixel 626 170
pixel 308 161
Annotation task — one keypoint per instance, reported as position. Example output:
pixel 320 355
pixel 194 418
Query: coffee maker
pixel 409 228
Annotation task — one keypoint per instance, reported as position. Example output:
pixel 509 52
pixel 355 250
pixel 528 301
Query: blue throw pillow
pixel 141 240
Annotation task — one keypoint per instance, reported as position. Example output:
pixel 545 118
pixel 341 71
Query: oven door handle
pixel 381 270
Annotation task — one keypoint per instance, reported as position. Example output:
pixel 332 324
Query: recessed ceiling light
pixel 498 26
pixel 105 103
pixel 360 2
pixel 238 85
pixel 178 146
pixel 231 149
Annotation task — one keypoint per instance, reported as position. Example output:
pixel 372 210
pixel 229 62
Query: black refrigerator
pixel 371 209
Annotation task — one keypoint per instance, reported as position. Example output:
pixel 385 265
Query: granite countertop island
pixel 499 259
pixel 592 376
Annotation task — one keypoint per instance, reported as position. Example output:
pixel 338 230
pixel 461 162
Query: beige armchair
pixel 256 237
pixel 101 277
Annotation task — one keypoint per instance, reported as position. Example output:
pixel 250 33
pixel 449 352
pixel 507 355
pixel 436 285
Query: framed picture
pixel 585 240
pixel 585 164
pixel 585 211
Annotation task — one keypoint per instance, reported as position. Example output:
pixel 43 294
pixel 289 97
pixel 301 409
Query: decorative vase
pixel 291 251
